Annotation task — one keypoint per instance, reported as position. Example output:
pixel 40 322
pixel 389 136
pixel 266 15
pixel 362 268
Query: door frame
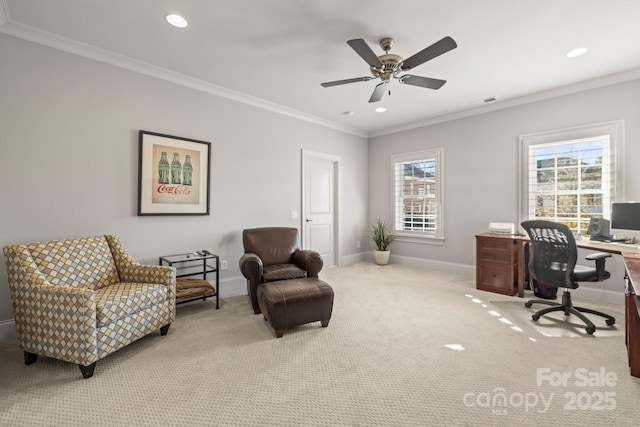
pixel 337 201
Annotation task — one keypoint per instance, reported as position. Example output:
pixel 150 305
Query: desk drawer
pixel 495 257
pixel 495 244
pixel 496 278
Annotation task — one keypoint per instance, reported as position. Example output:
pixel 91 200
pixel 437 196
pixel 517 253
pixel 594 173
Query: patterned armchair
pixel 79 300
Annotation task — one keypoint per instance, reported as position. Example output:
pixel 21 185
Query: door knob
pixel 308 220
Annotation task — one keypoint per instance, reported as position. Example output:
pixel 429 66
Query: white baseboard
pixel 229 287
pixel 353 258
pixel 233 286
pixel 584 292
pixel 7 331
pixel 449 267
pixel 237 285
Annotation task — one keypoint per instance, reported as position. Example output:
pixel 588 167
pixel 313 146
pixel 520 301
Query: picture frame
pixel 173 175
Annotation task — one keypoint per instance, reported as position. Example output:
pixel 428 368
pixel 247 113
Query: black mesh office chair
pixel 552 260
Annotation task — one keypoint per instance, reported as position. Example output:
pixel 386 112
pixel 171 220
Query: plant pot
pixel 382 257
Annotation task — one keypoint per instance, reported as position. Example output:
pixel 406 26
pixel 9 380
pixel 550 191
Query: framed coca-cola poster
pixel 173 175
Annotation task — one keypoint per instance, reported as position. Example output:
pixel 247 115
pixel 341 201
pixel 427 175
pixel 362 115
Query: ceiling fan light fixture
pixel 579 51
pixel 176 20
pixel 388 66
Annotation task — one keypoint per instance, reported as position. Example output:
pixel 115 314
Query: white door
pixel 319 206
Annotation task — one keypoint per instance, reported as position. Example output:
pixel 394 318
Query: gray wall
pixel 481 165
pixel 68 129
pixel 68 142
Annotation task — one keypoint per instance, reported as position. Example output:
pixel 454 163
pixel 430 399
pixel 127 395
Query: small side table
pixel 195 264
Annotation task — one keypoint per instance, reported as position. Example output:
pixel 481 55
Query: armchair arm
pixel 600 259
pixel 129 270
pixel 251 267
pixel 310 261
pixel 139 273
pixel 47 316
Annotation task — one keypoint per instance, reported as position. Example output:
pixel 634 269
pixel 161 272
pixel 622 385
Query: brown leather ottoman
pixel 290 303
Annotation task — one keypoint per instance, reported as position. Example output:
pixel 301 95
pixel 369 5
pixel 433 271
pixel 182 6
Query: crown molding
pixel 4 13
pixel 45 38
pixel 514 102
pixel 68 45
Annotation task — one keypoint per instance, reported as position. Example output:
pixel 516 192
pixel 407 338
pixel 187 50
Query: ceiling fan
pixel 388 66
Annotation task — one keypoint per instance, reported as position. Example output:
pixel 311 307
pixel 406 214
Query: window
pixel 417 195
pixel 571 175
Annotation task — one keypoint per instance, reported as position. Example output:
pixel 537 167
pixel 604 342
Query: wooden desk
pixel 632 310
pixel 631 257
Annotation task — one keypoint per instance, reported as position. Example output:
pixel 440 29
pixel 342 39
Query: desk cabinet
pixel 632 311
pixel 497 263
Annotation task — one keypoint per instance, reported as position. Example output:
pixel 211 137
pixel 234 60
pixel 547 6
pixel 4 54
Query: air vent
pixel 489 100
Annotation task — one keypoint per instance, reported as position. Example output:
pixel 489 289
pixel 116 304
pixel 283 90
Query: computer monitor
pixel 625 219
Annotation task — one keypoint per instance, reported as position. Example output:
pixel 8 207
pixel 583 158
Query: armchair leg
pixel 87 371
pixel 30 358
pixel 164 329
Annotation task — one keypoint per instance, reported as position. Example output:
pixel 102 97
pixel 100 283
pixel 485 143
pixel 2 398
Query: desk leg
pixel 633 329
pixel 521 270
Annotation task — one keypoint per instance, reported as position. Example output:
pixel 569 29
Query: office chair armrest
pixel 597 256
pixel 600 259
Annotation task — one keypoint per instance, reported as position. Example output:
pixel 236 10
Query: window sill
pixel 423 240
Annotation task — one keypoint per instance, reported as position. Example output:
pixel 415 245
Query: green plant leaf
pixel 380 236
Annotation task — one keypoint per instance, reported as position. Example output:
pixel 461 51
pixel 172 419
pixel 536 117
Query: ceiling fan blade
pixel 427 54
pixel 422 81
pixel 362 48
pixel 378 92
pixel 343 82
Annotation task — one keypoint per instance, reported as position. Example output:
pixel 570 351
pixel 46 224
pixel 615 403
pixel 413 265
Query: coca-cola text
pixel 174 189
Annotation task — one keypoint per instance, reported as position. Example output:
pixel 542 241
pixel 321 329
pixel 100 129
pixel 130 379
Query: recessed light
pixel 177 21
pixel 577 52
pixel 380 110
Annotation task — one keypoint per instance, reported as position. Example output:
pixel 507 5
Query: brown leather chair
pixel 272 254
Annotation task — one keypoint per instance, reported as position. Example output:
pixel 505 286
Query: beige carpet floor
pixel 405 347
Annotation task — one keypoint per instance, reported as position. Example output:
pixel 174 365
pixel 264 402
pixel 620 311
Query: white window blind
pixel 568 179
pixel 417 195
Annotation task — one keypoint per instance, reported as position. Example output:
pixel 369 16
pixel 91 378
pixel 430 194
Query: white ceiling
pixel 279 51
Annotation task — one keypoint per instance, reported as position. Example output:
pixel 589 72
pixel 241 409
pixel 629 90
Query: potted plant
pixel 382 239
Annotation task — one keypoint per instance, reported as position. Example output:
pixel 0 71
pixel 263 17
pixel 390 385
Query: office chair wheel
pixel 528 304
pixel 611 322
pixel 590 329
pixel 535 316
